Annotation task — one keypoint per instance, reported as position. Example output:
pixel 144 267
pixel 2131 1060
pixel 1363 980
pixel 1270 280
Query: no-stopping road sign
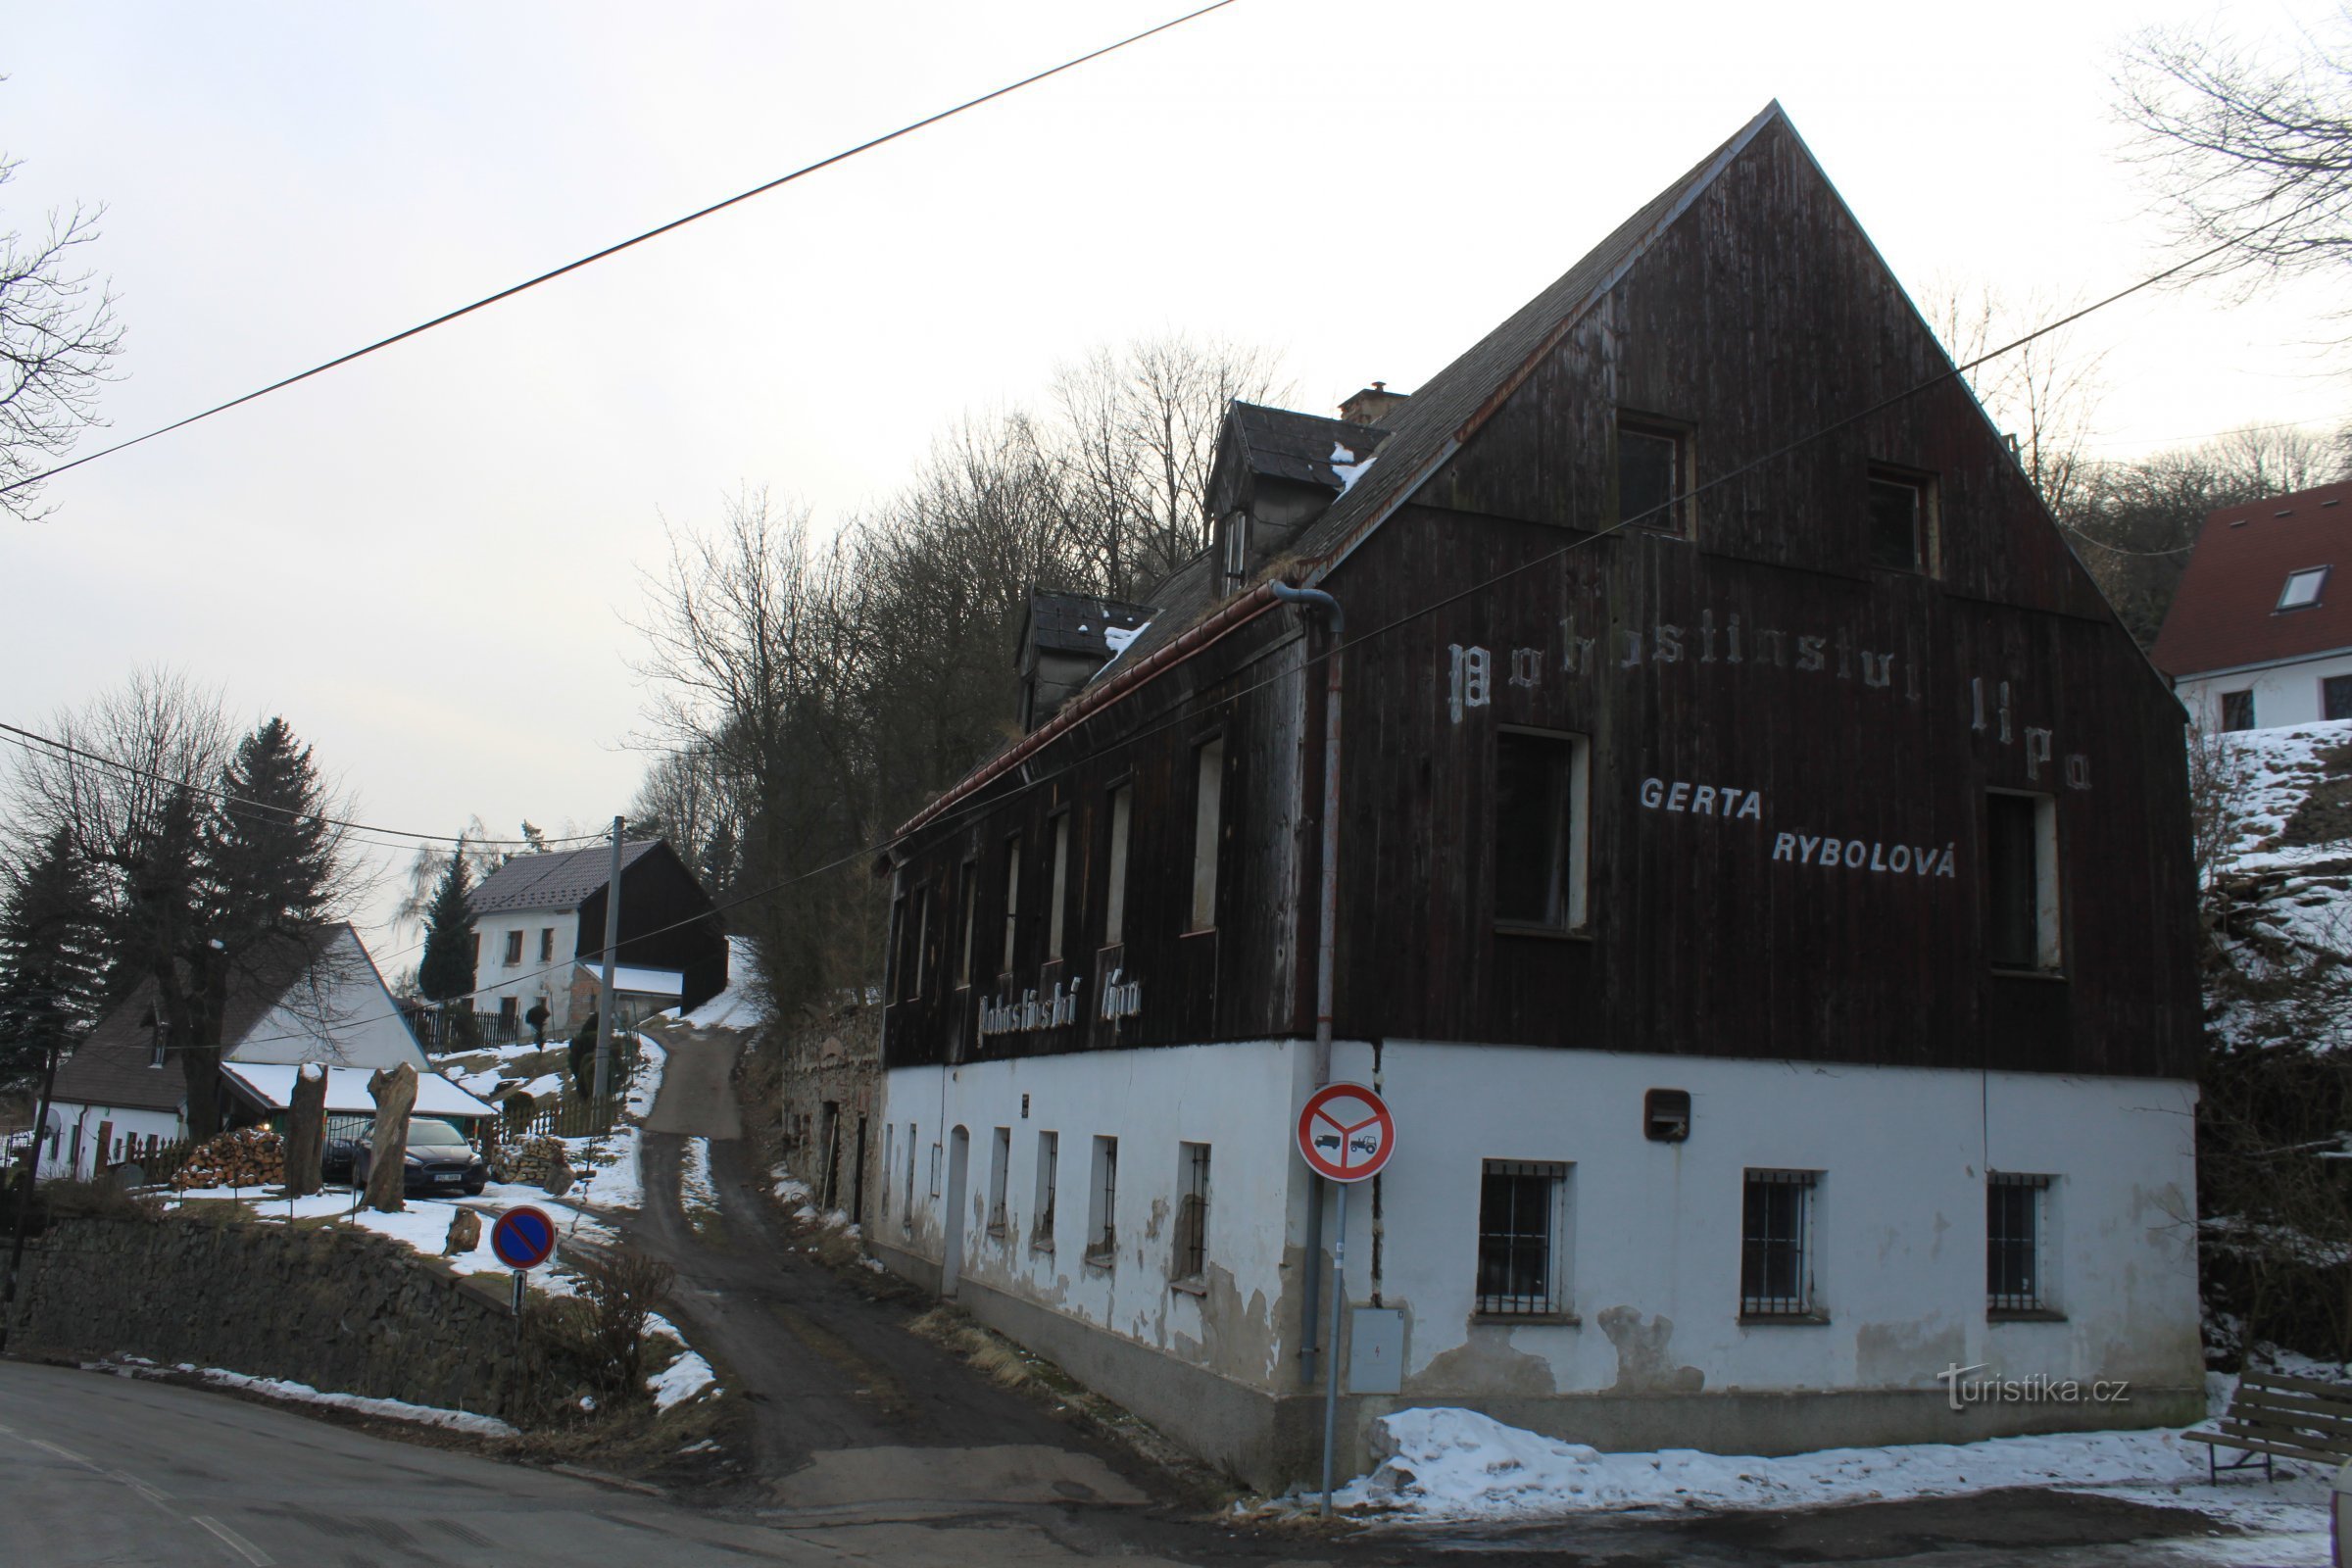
pixel 1346 1133
pixel 523 1237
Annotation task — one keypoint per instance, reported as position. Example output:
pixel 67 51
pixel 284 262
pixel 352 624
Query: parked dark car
pixel 439 1160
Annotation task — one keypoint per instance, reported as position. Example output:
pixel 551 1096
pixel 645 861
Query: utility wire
pixel 553 273
pixel 32 741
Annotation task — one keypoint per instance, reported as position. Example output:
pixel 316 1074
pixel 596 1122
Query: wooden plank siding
pixel 1762 320
pixel 1235 981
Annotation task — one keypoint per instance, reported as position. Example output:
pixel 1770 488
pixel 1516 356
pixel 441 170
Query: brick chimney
pixel 1374 406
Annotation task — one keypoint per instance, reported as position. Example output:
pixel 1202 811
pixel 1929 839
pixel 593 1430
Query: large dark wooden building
pixel 1762 889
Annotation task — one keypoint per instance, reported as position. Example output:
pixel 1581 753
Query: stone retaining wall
pixel 337 1308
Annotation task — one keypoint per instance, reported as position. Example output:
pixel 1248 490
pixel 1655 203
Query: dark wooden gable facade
pixel 1751 651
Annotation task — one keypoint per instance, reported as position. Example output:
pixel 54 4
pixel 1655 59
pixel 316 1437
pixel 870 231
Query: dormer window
pixel 2302 590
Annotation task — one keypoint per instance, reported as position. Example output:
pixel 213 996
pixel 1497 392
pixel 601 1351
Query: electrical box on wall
pixel 1376 1351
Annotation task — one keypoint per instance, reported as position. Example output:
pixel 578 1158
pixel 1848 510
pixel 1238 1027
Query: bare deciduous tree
pixel 216 857
pixel 2249 148
pixel 1137 438
pixel 57 335
pixel 2043 395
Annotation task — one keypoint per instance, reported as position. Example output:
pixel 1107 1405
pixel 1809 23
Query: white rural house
pixel 539 935
pixel 2260 633
pixel 1731 829
pixel 125 1090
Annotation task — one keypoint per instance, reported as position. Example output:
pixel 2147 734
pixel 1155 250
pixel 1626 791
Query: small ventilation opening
pixel 1666 1115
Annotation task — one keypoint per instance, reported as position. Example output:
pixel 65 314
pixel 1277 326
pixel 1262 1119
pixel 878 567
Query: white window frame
pixel 2314 581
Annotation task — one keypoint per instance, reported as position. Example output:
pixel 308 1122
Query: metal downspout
pixel 1326 934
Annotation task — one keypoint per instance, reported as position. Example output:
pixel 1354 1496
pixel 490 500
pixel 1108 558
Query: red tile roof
pixel 2227 612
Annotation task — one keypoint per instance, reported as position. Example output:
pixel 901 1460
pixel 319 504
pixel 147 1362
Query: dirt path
pixel 850 1413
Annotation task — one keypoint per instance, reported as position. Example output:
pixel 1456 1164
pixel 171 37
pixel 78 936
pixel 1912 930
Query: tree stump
pixel 305 1134
pixel 395 1091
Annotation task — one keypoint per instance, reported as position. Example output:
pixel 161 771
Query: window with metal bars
pixel 1103 1204
pixel 1048 1182
pixel 2013 1280
pixel 1776 1266
pixel 1000 1167
pixel 1192 1214
pixel 1522 1263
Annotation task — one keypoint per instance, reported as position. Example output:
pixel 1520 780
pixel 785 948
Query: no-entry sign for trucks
pixel 1346 1133
pixel 523 1237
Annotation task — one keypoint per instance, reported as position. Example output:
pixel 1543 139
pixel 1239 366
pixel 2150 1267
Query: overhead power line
pixel 553 273
pixel 36 742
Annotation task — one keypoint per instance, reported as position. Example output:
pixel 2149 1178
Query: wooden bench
pixel 2272 1414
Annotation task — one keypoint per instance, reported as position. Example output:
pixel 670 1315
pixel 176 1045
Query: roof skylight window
pixel 2302 588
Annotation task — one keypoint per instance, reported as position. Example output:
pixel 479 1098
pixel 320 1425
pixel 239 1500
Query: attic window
pixel 1653 474
pixel 2302 589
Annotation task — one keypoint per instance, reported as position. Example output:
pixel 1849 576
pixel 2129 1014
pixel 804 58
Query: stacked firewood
pixel 532 1160
pixel 246 1156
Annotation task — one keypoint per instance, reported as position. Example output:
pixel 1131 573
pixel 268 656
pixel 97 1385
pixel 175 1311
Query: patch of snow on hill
pixel 734 1008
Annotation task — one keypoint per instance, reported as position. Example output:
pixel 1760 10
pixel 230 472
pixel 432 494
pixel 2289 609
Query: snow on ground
pixel 698 1193
pixel 1450 1464
pixel 483 1426
pixel 686 1377
pixel 799 1196
pixel 733 1008
pixel 609 1167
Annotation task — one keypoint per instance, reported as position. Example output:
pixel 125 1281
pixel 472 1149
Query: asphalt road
pixel 849 1414
pixel 109 1470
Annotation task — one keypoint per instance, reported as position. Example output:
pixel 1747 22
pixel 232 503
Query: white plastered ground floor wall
pixel 1657 1353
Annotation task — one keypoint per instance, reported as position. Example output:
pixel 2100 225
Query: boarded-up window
pixel 1208 801
pixel 1012 897
pixel 2020 881
pixel 1122 825
pixel 1058 890
pixel 1540 832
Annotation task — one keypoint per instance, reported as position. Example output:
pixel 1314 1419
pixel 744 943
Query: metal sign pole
pixel 519 1278
pixel 1331 1352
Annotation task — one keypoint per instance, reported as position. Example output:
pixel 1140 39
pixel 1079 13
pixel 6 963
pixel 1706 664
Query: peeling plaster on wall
pixel 1488 1363
pixel 1159 1217
pixel 1641 1358
pixel 1900 1356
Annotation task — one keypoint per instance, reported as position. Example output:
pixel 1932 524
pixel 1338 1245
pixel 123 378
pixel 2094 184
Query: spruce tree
pixel 446 972
pixel 52 955
pixel 270 852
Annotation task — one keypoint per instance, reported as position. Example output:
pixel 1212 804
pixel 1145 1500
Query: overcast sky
pixel 426 560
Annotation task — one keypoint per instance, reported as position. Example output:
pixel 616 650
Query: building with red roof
pixel 2260 634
